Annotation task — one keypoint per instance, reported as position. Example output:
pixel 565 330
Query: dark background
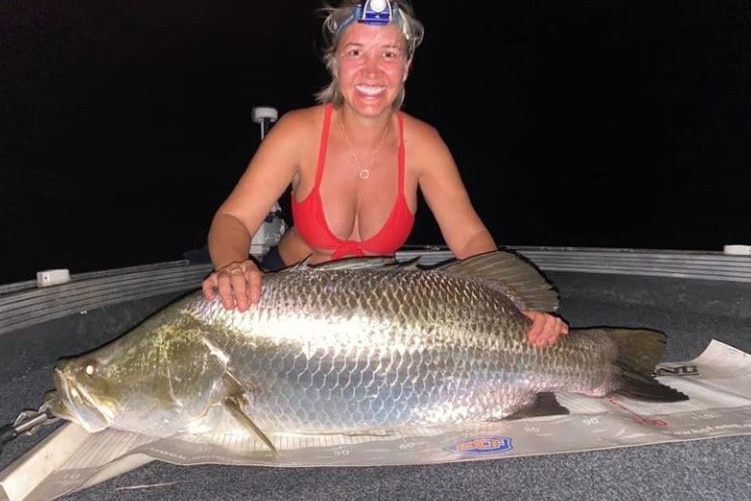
pixel 605 123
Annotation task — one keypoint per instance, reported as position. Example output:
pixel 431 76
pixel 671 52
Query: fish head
pixel 80 395
pixel 159 380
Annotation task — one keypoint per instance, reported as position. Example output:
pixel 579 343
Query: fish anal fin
pixel 542 404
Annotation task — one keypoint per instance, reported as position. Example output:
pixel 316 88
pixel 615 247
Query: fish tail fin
pixel 639 351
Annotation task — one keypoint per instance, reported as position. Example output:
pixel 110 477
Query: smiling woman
pixel 365 13
pixel 354 186
pixel 124 127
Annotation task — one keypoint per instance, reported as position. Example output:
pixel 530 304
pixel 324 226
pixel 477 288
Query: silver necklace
pixel 364 172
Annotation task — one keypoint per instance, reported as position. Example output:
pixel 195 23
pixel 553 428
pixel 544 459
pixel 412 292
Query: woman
pixel 355 163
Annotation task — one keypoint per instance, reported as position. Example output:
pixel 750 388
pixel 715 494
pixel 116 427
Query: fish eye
pixel 90 369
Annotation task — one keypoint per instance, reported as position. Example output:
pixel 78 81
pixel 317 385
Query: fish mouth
pixel 72 402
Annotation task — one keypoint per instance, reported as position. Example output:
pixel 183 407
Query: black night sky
pixel 605 123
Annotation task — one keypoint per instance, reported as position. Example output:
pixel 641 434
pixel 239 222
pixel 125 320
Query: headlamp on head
pixel 374 12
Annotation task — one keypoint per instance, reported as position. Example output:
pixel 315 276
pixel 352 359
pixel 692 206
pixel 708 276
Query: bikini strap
pixel 401 154
pixel 327 111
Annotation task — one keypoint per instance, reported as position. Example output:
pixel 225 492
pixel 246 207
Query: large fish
pixel 362 345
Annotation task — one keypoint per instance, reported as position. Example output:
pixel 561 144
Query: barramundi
pixel 359 345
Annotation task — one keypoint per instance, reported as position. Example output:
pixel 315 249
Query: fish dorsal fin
pixel 411 264
pixel 355 263
pixel 510 273
pixel 303 264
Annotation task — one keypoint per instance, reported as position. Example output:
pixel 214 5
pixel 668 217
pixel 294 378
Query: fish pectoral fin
pixel 234 405
pixel 542 404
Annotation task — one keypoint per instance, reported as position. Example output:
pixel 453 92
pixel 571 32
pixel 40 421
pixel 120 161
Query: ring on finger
pixel 236 271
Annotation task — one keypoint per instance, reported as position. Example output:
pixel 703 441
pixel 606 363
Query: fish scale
pixel 399 388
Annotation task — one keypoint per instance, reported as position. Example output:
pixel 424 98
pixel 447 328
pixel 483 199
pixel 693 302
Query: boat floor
pixel 692 312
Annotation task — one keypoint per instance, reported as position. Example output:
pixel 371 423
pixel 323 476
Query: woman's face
pixel 371 65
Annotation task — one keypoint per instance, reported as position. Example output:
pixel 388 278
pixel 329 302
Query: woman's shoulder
pixel 418 130
pixel 303 117
pixel 296 126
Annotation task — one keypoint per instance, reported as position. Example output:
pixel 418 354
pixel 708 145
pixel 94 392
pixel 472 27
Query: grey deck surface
pixel 691 312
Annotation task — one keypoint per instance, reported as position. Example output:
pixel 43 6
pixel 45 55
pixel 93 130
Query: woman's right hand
pixel 238 285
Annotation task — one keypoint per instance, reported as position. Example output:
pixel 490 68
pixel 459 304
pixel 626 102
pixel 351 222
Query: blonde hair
pixel 336 20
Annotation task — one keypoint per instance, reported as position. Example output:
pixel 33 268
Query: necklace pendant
pixel 364 173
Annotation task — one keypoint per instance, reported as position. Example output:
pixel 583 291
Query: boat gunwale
pixel 24 304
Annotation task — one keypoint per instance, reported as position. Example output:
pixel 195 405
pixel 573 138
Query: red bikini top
pixel 310 221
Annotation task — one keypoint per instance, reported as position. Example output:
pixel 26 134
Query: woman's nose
pixel 371 65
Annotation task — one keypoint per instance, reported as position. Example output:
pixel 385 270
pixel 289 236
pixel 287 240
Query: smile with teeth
pixel 370 90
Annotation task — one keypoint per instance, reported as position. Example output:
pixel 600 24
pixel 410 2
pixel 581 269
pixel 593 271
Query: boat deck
pixel 692 307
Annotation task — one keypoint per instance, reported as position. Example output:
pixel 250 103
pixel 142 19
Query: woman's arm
pixel 462 229
pixel 445 193
pixel 237 279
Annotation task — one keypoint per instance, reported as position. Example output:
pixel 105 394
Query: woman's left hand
pixel 545 329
